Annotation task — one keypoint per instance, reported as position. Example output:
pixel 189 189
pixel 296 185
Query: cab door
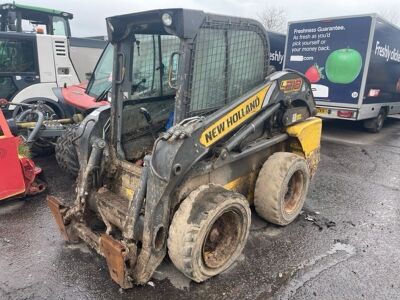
pixel 18 63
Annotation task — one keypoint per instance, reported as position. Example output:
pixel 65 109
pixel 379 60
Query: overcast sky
pixel 89 15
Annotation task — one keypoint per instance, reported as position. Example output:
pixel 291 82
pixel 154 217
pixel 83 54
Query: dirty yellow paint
pixel 233 185
pixel 308 133
pixel 243 185
pixel 234 118
pixel 128 193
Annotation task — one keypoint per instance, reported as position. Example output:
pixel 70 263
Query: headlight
pixel 167 19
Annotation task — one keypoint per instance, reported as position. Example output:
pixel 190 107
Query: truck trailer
pixel 353 64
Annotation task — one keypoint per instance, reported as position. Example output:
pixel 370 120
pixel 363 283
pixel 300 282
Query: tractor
pixel 199 129
pixel 37 54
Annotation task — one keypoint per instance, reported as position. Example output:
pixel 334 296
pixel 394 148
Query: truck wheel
pixel 281 188
pixel 375 125
pixel 208 231
pixel 66 155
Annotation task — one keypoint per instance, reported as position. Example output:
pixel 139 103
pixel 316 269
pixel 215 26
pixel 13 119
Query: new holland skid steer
pixel 198 131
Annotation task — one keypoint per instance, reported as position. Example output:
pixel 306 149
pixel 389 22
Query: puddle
pixel 287 283
pixel 167 271
pixel 309 270
pixel 10 206
pixel 81 247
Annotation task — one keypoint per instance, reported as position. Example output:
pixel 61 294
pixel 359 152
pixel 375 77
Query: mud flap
pixel 56 207
pixel 116 257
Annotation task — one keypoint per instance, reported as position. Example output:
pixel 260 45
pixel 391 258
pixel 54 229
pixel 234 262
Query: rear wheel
pixel 66 154
pixel 281 188
pixel 375 125
pixel 40 146
pixel 208 231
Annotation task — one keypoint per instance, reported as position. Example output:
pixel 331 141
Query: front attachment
pixel 117 257
pixel 56 209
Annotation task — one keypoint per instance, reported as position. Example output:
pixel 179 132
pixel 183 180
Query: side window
pixel 102 75
pixel 7 87
pixel 207 90
pixel 149 68
pixel 59 26
pixel 246 62
pixel 227 64
pixel 17 56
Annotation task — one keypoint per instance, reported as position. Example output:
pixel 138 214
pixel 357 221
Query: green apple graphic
pixel 343 66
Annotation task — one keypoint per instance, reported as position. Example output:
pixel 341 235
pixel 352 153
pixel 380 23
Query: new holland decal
pixel 234 118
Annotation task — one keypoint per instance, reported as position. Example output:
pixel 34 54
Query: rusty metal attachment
pixel 56 209
pixel 119 258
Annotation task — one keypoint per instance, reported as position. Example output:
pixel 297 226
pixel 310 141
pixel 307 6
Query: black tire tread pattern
pixel 66 155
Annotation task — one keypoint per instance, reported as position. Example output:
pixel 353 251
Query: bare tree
pixel 274 18
pixel 391 14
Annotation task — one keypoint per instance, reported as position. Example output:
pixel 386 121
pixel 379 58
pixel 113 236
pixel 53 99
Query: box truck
pixel 277 49
pixel 353 64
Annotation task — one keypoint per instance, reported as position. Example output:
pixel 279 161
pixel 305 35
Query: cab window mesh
pixel 228 60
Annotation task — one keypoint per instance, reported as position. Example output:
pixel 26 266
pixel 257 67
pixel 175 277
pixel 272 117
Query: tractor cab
pixel 32 19
pixel 174 64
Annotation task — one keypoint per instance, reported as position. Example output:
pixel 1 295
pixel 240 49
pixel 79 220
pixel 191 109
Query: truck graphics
pixel 352 62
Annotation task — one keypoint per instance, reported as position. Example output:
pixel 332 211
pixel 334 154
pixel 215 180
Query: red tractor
pixel 43 131
pixel 82 99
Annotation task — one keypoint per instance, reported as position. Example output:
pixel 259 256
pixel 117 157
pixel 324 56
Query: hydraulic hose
pixel 38 124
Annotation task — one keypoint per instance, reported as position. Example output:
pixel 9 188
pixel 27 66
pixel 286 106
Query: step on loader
pixel 198 131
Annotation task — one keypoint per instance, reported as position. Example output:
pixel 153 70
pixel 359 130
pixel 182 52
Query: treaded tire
pixel 281 188
pixel 208 231
pixel 375 125
pixel 66 155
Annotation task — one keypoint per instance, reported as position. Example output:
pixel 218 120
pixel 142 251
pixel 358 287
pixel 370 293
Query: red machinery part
pixel 18 175
pixel 75 95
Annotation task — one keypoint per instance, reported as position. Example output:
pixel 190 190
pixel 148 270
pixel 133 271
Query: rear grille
pixel 60 48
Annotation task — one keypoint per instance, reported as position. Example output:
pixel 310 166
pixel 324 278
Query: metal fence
pixel 228 60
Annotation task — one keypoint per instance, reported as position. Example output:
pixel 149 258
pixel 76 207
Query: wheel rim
pixel 222 239
pixel 47 111
pixel 294 192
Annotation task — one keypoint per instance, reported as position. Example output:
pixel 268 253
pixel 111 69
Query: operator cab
pixel 32 19
pixel 174 64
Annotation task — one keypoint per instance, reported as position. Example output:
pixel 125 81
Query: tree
pixel 274 18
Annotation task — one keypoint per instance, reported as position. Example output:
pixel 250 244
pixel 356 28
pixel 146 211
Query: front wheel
pixel 40 146
pixel 208 231
pixel 66 154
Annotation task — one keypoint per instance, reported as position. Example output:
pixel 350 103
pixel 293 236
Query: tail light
pixel 344 113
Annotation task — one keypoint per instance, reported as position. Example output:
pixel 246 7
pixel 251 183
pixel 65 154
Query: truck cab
pixel 18 18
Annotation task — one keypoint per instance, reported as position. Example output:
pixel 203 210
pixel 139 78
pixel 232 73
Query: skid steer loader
pixel 198 130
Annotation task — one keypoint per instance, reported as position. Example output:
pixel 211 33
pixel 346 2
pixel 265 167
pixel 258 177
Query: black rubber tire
pixel 211 217
pixel 281 188
pixel 41 146
pixel 66 154
pixel 375 125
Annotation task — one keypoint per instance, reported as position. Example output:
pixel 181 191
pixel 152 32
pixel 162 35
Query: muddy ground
pixel 345 245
